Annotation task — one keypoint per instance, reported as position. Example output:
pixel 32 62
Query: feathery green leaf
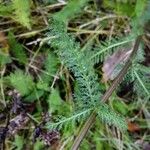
pixel 23 83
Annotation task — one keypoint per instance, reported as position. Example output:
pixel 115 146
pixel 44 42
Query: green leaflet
pixel 77 61
pixel 51 65
pixel 54 101
pixel 22 12
pixel 19 141
pixel 23 83
pixel 17 49
pixel 111 118
pixel 18 10
pixel 73 7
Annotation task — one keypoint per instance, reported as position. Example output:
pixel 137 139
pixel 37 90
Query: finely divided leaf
pixel 23 83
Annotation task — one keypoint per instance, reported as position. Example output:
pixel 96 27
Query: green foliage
pixel 66 122
pixel 111 118
pixel 120 106
pixel 4 58
pixel 18 10
pixel 51 65
pixel 77 61
pixel 23 83
pixel 80 61
pixel 34 95
pixel 142 81
pixel 108 47
pixel 42 85
pixel 73 7
pixel 120 7
pixel 54 101
pixel 5 10
pixel 38 145
pixel 17 49
pixel 141 18
pixel 22 12
pixel 137 72
pixel 57 105
pixel 19 142
pixel 139 7
pixel 126 8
